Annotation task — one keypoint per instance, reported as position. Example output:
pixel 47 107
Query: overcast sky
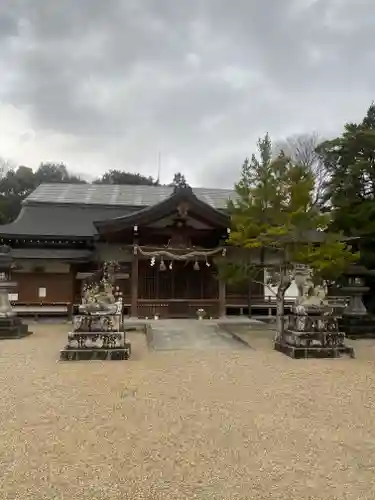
pixel 108 84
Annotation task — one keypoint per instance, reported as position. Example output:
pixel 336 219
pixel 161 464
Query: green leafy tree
pixel 55 173
pixel 277 227
pixel 350 161
pixel 14 187
pixel 179 180
pixel 120 177
pixel 18 183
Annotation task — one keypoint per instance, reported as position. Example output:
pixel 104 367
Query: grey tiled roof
pixel 120 195
pixel 59 220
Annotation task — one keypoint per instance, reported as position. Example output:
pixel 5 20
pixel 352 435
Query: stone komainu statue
pixel 97 296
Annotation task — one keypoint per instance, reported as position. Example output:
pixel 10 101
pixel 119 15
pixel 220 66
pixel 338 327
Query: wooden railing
pixel 187 308
pixel 36 309
pixel 266 306
pixel 241 300
pixel 178 308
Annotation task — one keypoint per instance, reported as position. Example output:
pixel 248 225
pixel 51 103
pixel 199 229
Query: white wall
pixel 291 293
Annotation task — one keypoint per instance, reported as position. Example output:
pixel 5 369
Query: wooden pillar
pixel 249 298
pixel 222 298
pixel 134 286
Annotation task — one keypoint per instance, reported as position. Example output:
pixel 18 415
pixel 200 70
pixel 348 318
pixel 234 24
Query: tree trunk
pixel 280 303
pixel 249 298
pixel 280 313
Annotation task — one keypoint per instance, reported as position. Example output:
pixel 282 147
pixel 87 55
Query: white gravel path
pixel 187 424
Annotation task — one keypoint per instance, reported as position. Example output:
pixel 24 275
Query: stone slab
pixel 12 328
pixel 16 335
pixel 313 352
pixel 190 334
pixel 358 327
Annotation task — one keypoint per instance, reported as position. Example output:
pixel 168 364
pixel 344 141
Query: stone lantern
pixel 6 286
pixel 356 322
pixel 10 325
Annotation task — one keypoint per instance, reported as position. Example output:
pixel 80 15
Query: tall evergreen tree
pixel 350 161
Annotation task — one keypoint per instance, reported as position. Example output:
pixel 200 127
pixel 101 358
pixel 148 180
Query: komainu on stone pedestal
pixel 98 331
pixel 312 329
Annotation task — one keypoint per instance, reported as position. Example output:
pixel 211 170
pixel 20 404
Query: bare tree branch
pixel 302 149
pixel 266 285
pixel 6 165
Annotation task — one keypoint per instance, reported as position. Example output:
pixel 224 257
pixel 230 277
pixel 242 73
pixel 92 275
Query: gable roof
pixel 162 209
pixel 120 195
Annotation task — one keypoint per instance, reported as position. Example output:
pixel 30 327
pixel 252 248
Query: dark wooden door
pixel 178 308
pixel 181 281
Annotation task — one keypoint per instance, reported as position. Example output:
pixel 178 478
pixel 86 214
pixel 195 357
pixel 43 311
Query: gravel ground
pixel 217 424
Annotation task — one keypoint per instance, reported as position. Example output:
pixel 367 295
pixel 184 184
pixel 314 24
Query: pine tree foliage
pixel 350 160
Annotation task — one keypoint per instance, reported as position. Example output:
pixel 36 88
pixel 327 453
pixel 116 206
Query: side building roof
pixel 70 210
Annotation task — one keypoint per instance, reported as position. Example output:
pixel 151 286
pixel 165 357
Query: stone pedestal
pixel 11 327
pixel 99 336
pixel 312 336
pixel 96 345
pixel 358 326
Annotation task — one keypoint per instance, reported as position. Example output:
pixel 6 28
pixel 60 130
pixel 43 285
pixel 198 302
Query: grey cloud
pixel 200 80
pixel 9 18
pixel 8 25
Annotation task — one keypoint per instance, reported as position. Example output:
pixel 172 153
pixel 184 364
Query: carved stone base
pixel 96 340
pixel 87 354
pixel 313 352
pixel 11 327
pixel 358 327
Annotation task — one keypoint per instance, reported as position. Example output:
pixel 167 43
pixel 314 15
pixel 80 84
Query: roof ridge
pixel 101 186
pixel 119 194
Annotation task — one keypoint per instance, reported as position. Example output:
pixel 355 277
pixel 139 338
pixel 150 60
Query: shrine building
pixel 164 239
